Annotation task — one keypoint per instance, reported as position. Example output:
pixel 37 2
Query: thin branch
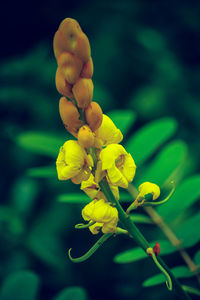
pixel 158 220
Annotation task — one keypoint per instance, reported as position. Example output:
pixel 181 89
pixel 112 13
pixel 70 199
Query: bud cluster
pixel 96 154
pixel 73 81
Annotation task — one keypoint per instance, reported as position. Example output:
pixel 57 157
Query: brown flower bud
pixel 82 47
pixel 70 66
pixel 66 36
pixel 63 87
pixel 83 92
pixel 70 116
pixel 93 115
pixel 85 137
pixel 87 70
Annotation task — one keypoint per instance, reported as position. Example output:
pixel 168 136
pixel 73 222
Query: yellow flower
pixel 148 188
pixel 105 216
pixel 91 188
pixel 119 165
pixel 73 162
pixel 108 132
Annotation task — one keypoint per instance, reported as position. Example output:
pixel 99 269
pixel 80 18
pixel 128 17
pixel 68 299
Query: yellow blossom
pixel 148 188
pixel 119 165
pixel 108 132
pixel 73 162
pixel 101 212
pixel 92 189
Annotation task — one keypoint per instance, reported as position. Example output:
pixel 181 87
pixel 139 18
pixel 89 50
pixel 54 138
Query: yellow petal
pixel 84 174
pixel 99 173
pixel 109 227
pixel 90 187
pixel 88 210
pixel 108 132
pixel 117 178
pixel 149 188
pixel 95 228
pixel 129 167
pixel 74 153
pixel 110 154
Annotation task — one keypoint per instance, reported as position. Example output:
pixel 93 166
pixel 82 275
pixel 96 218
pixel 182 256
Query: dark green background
pixel 146 58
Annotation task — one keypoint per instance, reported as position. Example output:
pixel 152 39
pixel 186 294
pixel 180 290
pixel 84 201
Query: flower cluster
pixel 96 155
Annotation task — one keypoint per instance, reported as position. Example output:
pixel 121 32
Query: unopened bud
pixel 66 36
pixel 87 70
pixel 157 249
pixel 83 92
pixel 85 137
pixel 93 115
pixel 82 47
pixel 70 66
pixel 63 87
pixel 70 116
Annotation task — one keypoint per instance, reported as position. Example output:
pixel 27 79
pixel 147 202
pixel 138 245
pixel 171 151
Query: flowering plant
pixel 96 160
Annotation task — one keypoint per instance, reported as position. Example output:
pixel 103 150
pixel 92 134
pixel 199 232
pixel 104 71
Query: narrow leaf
pixel 166 163
pixel 82 198
pixel 178 272
pixel 191 290
pixel 123 119
pixel 137 253
pixel 184 196
pixel 40 143
pixel 72 293
pixel 74 198
pixel 141 219
pixel 189 233
pixel 42 172
pixel 197 258
pixel 146 141
pixel 21 285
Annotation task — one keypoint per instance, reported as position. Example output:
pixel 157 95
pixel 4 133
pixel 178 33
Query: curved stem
pixel 138 236
pixel 94 248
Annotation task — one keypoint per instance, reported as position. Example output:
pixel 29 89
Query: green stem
pixel 92 250
pixel 138 236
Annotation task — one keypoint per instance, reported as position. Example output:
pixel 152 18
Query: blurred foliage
pixel 146 77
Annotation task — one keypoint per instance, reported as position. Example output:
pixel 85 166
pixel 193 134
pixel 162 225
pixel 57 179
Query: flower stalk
pixel 96 160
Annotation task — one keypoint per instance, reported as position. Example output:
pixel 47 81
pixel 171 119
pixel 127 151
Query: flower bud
pixel 70 116
pixel 83 92
pixel 85 137
pixel 94 115
pixel 87 70
pixel 157 249
pixel 82 47
pixel 63 87
pixel 149 188
pixel 70 66
pixel 66 36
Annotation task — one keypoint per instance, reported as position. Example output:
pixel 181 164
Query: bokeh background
pixel 146 59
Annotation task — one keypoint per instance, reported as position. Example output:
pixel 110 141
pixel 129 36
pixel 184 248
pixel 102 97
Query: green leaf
pixel 21 285
pixel 72 293
pixel 165 164
pixel 47 248
pixel 178 272
pixel 146 141
pixel 82 198
pixel 137 253
pixel 184 196
pixel 123 119
pixel 189 232
pixel 42 172
pixel 74 198
pixel 41 143
pixel 141 219
pixel 197 258
pixel 191 290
